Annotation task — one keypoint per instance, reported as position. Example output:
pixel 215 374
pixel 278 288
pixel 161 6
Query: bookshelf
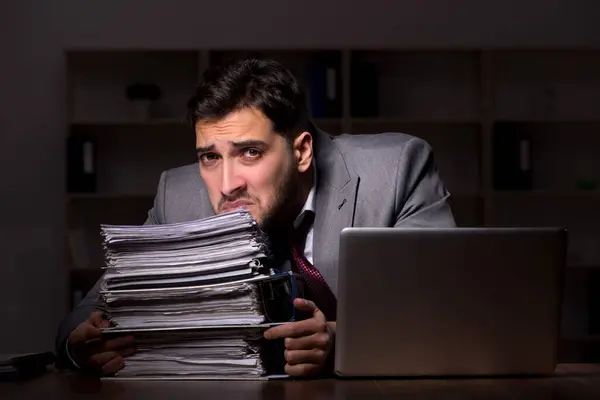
pixel 464 102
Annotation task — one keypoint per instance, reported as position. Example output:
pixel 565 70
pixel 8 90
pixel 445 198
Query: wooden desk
pixel 571 381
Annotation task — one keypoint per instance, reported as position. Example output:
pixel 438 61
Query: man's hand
pixel 94 354
pixel 307 343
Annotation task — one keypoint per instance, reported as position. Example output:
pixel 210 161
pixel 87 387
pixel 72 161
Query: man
pixel 257 150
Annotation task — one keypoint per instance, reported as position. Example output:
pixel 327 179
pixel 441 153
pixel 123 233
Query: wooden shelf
pixel 129 123
pixel 166 122
pixel 174 122
pixel 547 193
pixel 110 196
pixel 416 120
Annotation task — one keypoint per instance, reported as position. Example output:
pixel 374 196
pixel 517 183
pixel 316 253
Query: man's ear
pixel 303 150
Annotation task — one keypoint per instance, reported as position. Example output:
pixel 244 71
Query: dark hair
pixel 253 81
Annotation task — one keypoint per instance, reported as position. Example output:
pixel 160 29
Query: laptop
pixel 418 302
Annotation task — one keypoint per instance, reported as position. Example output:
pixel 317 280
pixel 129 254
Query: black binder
pixel 25 366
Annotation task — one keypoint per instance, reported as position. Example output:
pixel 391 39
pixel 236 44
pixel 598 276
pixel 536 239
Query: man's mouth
pixel 230 206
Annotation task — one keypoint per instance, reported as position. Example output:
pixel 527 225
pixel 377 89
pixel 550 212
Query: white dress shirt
pixel 309 206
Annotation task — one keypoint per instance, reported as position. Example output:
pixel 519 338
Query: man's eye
pixel 252 153
pixel 208 158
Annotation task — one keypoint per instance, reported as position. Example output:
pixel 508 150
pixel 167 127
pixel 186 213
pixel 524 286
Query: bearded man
pixel 258 150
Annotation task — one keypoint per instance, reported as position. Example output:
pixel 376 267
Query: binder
pixel 81 164
pixel 25 366
pixel 277 292
pixel 325 86
pixel 512 158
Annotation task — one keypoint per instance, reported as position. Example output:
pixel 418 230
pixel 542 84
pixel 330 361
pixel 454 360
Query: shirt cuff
pixel 69 355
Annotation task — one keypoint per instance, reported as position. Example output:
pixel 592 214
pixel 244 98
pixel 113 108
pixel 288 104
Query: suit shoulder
pixel 384 146
pixel 183 174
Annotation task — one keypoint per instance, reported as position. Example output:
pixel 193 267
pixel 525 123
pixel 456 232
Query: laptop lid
pixel 451 301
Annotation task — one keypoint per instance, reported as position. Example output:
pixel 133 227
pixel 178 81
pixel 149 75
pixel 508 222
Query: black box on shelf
pixel 364 89
pixel 512 155
pixel 81 164
pixel 325 86
pixel 594 302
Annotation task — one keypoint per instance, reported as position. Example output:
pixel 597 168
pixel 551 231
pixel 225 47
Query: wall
pixel 327 23
pixel 32 281
pixel 34 34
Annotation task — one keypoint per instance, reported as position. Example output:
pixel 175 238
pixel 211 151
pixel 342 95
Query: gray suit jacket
pixel 383 180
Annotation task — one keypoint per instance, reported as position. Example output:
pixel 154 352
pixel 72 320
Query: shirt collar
pixel 309 204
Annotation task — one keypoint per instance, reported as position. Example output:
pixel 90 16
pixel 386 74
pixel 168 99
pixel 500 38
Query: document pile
pixel 196 296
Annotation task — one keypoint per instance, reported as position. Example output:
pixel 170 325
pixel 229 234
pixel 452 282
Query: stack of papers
pixel 191 295
pixel 232 303
pixel 234 352
pixel 223 248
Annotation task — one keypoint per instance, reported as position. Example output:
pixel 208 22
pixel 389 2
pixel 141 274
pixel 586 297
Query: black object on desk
pixel 24 366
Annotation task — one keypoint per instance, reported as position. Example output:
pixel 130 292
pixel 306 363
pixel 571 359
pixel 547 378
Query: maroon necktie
pixel 317 289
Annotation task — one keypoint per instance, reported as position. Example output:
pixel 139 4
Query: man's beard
pixel 277 223
pixel 279 218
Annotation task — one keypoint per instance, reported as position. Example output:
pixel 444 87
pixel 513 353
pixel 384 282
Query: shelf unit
pixel 458 100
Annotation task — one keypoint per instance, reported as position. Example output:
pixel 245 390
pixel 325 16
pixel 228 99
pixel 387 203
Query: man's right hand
pixel 94 354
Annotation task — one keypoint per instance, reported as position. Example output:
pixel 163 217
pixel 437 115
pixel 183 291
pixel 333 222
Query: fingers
pixel 83 333
pixel 96 318
pixel 307 355
pixel 312 356
pixel 306 306
pixel 297 329
pixel 113 366
pixel 118 343
pixel 89 329
pixel 302 369
pixel 319 340
pixel 109 362
pixel 318 322
pixel 129 351
pixel 91 352
pixel 99 359
pixel 111 344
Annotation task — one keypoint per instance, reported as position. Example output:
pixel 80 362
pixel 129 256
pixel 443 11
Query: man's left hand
pixel 307 342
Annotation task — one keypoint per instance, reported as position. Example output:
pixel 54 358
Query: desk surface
pixel 569 382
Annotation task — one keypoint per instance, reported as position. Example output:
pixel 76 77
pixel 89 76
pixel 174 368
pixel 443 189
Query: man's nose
pixel 231 181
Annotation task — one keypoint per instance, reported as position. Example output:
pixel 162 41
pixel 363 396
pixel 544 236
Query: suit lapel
pixel 335 205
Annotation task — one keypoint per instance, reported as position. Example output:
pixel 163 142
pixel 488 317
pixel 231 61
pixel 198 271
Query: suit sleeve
pixel 91 301
pixel 421 197
pixel 156 215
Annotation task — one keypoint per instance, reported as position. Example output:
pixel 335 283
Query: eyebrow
pixel 237 145
pixel 205 149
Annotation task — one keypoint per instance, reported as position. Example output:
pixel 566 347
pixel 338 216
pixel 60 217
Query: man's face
pixel 246 164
